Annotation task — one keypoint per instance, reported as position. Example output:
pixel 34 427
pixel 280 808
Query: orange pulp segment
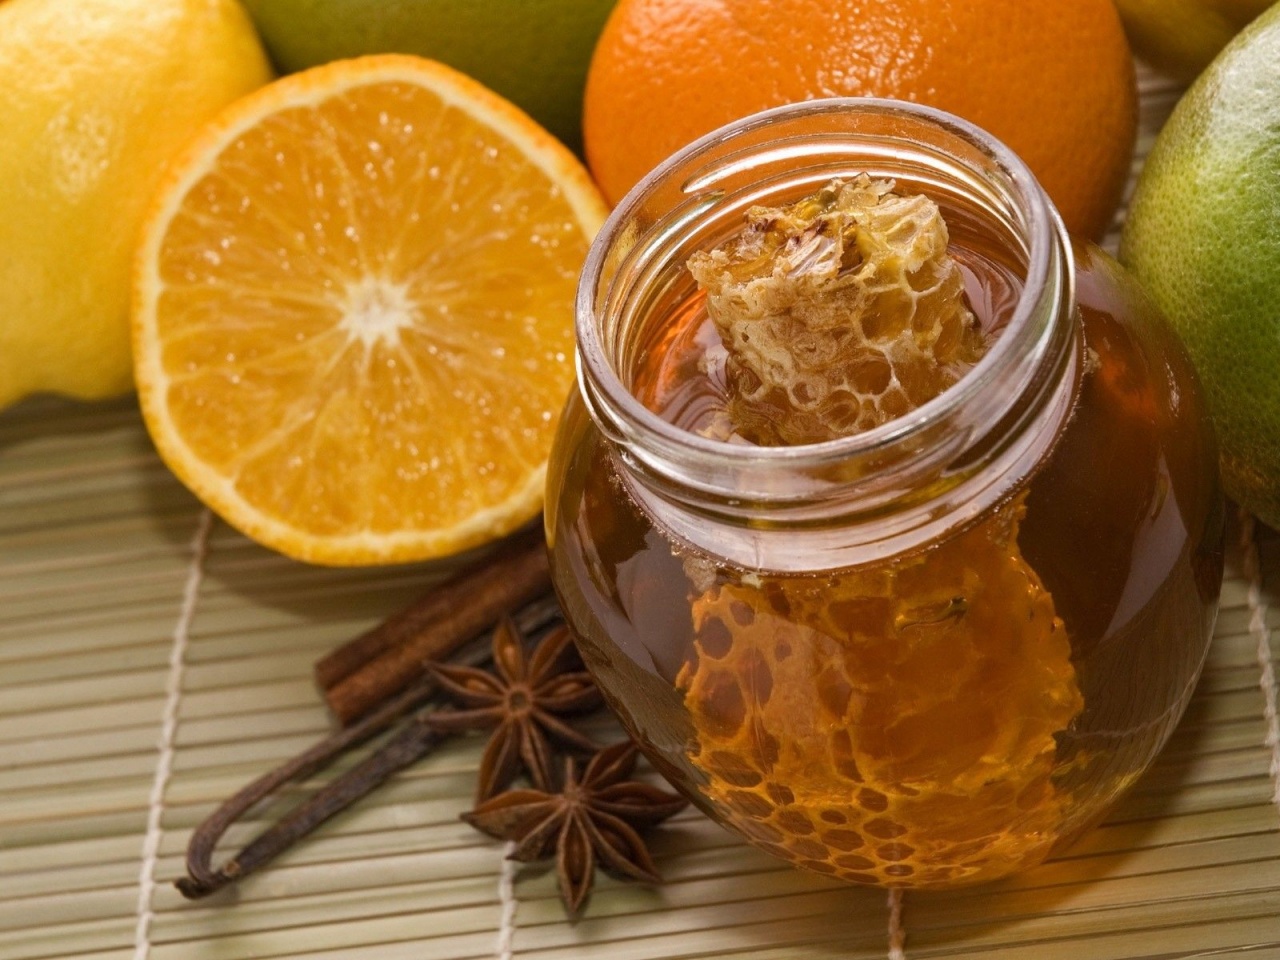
pixel 353 311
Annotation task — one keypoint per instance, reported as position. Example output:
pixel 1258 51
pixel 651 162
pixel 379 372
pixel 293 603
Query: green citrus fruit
pixel 1182 36
pixel 98 96
pixel 1203 234
pixel 533 52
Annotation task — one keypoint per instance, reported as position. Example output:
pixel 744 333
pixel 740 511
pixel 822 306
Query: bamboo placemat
pixel 152 661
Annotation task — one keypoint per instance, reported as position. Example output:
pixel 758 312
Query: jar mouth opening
pixel 1037 221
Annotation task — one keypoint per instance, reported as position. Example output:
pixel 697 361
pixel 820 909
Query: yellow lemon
pixel 98 95
pixel 354 311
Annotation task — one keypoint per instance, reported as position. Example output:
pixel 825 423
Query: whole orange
pixel 1053 79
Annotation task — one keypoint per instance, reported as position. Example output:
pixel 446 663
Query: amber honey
pixel 943 713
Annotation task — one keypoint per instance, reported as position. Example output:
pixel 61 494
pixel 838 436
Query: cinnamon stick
pixel 341 662
pixel 433 628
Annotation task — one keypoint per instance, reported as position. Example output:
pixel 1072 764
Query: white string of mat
pixel 168 732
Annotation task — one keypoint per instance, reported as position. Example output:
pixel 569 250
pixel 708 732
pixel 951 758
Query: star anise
pixel 521 703
pixel 592 820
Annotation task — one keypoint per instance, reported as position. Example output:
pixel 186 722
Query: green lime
pixel 533 52
pixel 1203 235
pixel 1181 37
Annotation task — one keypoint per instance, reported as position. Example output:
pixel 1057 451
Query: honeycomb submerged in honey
pixel 894 723
pixel 932 658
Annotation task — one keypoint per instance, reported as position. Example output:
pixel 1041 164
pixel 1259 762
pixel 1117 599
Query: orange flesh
pixel 364 317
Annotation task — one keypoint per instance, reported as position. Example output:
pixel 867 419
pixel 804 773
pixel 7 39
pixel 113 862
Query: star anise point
pixel 592 821
pixel 521 703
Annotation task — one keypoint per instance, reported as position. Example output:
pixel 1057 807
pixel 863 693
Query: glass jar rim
pixel 1046 233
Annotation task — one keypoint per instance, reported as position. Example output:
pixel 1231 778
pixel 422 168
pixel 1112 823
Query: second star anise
pixel 592 820
pixel 522 703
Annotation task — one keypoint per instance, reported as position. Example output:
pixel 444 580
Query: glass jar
pixel 921 655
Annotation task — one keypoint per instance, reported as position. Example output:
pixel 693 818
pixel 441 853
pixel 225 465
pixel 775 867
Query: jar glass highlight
pixel 929 653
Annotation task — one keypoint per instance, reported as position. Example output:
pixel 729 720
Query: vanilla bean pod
pixel 410 744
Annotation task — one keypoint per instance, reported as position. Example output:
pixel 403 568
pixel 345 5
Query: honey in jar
pixel 886 516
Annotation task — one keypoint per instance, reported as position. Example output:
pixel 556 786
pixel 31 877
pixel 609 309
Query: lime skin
pixel 1203 236
pixel 533 52
pixel 1181 37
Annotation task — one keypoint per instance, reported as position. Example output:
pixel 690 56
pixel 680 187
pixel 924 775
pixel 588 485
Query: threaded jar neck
pixel 872 494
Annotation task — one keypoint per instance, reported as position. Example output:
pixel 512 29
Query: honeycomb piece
pixel 894 725
pixel 839 313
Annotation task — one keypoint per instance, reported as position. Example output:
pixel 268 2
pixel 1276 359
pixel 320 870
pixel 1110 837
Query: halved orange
pixel 353 311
